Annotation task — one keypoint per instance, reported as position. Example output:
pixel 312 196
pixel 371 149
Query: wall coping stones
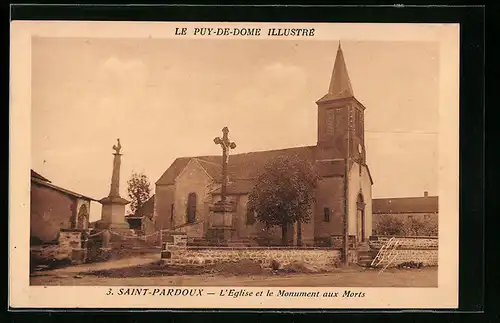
pixel 403 237
pixel 258 248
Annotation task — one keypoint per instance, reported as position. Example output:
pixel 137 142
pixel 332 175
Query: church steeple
pixel 341 117
pixel 340 84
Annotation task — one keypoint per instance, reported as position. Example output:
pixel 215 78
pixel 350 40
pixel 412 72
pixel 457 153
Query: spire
pixel 340 84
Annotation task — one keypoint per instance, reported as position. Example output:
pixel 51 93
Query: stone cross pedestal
pixel 221 213
pixel 113 206
pixel 221 222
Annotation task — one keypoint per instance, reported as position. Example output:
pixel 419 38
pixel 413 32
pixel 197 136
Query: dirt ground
pixel 342 277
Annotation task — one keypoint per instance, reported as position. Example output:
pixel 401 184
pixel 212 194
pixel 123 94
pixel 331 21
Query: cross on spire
pixel 226 145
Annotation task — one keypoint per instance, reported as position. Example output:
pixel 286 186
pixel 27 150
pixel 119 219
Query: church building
pixel 187 189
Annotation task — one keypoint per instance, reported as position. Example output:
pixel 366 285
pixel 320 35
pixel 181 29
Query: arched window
pixel 191 208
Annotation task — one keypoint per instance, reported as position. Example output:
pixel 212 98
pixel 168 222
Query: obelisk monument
pixel 113 206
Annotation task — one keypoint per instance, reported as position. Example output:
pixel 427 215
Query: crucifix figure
pixel 226 145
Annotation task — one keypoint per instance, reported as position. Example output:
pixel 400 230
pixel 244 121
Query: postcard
pixel 225 165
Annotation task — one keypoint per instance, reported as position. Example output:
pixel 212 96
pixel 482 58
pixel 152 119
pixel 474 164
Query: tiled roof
pixel 246 166
pixel 241 166
pixel 37 181
pixel 173 171
pixel 427 204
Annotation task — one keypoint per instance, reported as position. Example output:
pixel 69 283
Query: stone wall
pixel 410 249
pixel 406 242
pixel 323 258
pixel 425 257
pixel 67 249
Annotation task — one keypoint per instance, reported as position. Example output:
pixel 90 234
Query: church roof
pixel 243 186
pixel 340 83
pixel 246 166
pixel 426 204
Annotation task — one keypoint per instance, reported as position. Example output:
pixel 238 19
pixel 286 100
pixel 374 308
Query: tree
pixel 390 225
pixel 420 227
pixel 139 190
pixel 283 193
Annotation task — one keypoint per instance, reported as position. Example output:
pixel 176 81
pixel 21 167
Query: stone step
pixel 365 262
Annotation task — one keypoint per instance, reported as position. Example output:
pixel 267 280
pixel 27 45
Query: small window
pixel 410 217
pixel 326 214
pixel 191 208
pixel 426 217
pixel 250 216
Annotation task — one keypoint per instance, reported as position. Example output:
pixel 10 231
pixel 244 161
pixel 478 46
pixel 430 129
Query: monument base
pixel 113 214
pixel 221 236
pixel 113 226
pixel 221 230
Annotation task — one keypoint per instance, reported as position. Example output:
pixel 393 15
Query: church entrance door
pixel 360 219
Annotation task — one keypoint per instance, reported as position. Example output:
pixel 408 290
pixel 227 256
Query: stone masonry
pixel 410 249
pixel 68 247
pixel 319 257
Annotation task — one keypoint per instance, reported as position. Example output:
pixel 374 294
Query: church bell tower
pixel 341 117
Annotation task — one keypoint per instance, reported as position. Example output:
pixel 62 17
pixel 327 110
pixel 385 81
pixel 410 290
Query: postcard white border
pixel 22 295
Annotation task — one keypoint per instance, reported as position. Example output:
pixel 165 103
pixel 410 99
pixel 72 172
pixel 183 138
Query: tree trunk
pixel 284 238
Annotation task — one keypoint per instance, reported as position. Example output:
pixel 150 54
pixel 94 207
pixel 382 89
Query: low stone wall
pixel 67 249
pixel 407 256
pixel 193 230
pixel 337 241
pixel 418 249
pixel 416 243
pixel 322 258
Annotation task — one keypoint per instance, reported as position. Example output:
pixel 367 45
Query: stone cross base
pixel 221 223
pixel 221 215
pixel 221 236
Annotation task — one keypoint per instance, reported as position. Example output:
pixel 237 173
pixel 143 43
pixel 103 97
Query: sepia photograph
pixel 238 156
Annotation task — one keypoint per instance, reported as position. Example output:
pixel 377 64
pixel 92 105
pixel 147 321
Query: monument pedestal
pixel 221 229
pixel 113 214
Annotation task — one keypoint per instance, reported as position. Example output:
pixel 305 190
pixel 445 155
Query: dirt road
pixel 426 277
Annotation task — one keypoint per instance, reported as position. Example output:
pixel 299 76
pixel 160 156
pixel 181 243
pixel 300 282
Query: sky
pixel 167 98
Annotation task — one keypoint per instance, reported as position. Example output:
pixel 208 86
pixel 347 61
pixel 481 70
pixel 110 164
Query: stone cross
pixel 226 145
